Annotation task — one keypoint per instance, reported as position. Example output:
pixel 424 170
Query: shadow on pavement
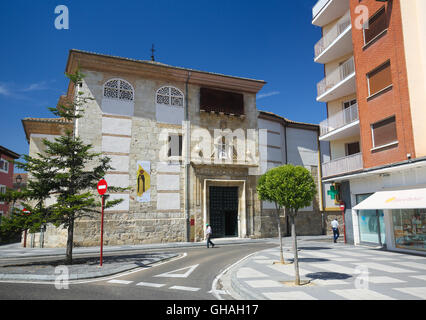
pixel 310 260
pixel 328 275
pixel 314 248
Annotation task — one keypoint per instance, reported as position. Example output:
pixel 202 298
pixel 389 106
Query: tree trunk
pixel 280 237
pixel 296 257
pixel 70 241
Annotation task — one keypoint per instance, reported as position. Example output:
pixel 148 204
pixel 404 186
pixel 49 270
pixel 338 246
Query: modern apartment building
pixel 374 57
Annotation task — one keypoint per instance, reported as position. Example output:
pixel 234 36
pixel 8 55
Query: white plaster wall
pixel 274 139
pixel 168 182
pixel 119 163
pixel 269 125
pixel 168 201
pixel 170 115
pixel 167 167
pixel 115 144
pixel 117 126
pixel 117 107
pixel 302 147
pixel 123 206
pixel 117 180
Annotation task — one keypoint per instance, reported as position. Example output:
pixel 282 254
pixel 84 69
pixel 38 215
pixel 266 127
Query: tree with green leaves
pixel 62 179
pixel 291 187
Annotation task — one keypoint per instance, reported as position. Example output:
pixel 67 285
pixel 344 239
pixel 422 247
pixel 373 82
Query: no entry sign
pixel 102 187
pixel 26 211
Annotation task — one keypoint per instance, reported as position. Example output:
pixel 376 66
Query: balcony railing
pixel 318 7
pixel 341 25
pixel 339 74
pixel 343 165
pixel 339 119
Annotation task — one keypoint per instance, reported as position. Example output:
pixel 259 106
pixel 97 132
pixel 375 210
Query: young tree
pixel 65 173
pixel 290 187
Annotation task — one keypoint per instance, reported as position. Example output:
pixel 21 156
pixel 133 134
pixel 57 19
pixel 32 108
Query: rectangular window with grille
pixel 384 132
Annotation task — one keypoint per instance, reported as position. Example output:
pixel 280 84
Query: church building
pixel 189 145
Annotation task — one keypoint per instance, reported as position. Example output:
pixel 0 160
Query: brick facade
pixel 391 102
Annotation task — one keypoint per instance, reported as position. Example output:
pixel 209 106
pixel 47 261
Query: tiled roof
pixel 161 64
pixel 288 120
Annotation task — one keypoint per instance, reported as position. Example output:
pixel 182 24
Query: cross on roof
pixel 152 53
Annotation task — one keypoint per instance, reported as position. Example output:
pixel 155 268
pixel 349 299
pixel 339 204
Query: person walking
pixel 208 235
pixel 335 227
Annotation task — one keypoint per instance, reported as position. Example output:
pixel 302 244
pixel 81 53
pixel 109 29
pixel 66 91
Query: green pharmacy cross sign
pixel 332 192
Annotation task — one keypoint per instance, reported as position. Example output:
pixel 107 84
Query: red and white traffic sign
pixel 342 207
pixel 102 187
pixel 26 211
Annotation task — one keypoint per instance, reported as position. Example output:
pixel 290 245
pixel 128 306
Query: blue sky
pixel 271 40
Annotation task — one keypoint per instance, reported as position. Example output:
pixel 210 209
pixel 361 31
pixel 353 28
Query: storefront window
pixel 409 227
pixel 371 223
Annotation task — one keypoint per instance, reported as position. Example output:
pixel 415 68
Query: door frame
pixel 242 212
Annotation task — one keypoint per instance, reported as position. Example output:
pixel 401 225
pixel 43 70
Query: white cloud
pixel 270 94
pixel 4 91
pixel 36 86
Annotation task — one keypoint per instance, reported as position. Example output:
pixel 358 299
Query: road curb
pixel 87 275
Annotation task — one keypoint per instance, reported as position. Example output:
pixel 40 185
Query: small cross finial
pixel 152 53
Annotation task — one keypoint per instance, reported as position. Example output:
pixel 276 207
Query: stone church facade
pixel 189 146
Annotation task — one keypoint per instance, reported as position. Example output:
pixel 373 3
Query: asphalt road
pixel 188 277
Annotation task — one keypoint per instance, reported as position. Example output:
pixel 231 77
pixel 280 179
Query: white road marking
pixel 419 292
pixel 250 273
pixel 184 288
pixel 361 294
pixel 292 295
pixel 150 284
pixel 386 268
pixel 264 284
pixel 411 264
pixel 173 274
pixel 383 279
pixel 120 281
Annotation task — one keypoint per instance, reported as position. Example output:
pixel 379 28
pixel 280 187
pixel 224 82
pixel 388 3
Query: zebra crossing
pixel 335 272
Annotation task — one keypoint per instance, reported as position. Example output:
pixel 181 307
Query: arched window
pixel 169 96
pixel 118 89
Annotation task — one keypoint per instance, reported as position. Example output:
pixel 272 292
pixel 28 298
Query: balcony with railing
pixel 338 83
pixel 337 42
pixel 340 125
pixel 343 165
pixel 326 11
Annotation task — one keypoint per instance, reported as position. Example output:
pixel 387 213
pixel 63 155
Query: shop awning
pixel 396 199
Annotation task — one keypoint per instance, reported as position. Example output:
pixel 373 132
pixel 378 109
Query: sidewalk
pixel 334 271
pixel 27 269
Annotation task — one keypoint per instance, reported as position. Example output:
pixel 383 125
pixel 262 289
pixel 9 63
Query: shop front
pixel 396 218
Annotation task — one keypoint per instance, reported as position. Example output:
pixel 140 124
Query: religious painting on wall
pixel 143 181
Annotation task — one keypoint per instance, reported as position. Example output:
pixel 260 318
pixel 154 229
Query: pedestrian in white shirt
pixel 335 227
pixel 208 235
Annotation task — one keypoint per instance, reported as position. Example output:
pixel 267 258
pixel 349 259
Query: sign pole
pixel 342 207
pixel 102 189
pixel 102 229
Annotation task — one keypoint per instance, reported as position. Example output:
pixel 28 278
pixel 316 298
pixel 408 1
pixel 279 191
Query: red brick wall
pixel 395 101
pixel 6 179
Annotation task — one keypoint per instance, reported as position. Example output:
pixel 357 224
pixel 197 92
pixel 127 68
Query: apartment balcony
pixel 341 125
pixel 343 165
pixel 326 11
pixel 338 83
pixel 336 43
